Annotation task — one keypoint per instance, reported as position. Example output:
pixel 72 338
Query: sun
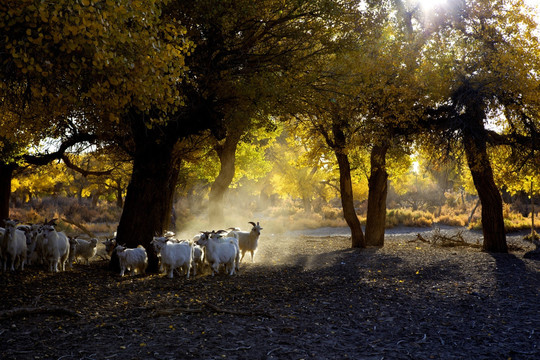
pixel 427 5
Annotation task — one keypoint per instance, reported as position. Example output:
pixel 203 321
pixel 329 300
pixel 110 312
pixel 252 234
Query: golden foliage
pixel 106 54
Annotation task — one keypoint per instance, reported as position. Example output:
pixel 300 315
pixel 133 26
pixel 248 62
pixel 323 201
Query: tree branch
pixel 82 171
pixel 44 159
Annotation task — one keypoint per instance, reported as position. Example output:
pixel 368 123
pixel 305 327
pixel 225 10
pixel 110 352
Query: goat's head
pixel 256 228
pixel 11 227
pixel 203 239
pixel 47 228
pixel 110 244
pixel 158 243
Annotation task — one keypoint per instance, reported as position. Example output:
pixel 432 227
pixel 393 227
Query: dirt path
pixel 305 297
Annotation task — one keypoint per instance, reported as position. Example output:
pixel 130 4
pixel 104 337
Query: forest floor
pixel 304 297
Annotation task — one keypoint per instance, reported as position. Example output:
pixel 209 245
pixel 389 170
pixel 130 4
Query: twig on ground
pixel 236 348
pixel 175 310
pixel 235 312
pixel 445 240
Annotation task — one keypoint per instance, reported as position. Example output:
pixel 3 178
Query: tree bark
pixel 532 210
pixel 345 184
pixel 378 190
pixel 119 196
pixel 490 197
pixel 226 153
pixel 347 199
pixel 149 197
pixel 6 175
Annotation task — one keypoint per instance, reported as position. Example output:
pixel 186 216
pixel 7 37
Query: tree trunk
pixel 6 174
pixel 472 212
pixel 226 153
pixel 378 190
pixel 347 200
pixel 306 204
pixel 490 197
pixel 119 197
pixel 532 211
pixel 149 197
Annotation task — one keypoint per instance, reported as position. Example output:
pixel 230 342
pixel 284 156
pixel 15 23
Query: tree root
pixel 21 312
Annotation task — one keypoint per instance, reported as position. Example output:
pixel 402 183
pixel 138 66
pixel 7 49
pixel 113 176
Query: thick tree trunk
pixel 490 197
pixel 347 200
pixel 149 197
pixel 226 153
pixel 6 174
pixel 378 190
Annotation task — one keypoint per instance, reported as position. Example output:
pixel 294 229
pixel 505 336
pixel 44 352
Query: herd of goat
pixel 22 245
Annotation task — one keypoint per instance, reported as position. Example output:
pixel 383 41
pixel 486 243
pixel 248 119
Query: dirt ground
pixel 304 297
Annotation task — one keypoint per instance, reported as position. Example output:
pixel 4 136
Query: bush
pixel 408 217
pixel 456 220
pixel 331 213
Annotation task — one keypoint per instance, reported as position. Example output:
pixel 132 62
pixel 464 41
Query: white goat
pixel 248 241
pixel 197 263
pixel 80 248
pixel 34 253
pixel 174 254
pixel 13 246
pixel 55 247
pixel 132 259
pixel 219 251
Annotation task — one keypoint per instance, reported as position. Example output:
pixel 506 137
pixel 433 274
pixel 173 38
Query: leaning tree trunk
pixel 226 153
pixel 149 196
pixel 345 184
pixel 6 175
pixel 490 197
pixel 347 199
pixel 378 190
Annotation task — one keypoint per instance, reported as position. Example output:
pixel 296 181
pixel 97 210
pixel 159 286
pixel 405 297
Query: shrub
pixel 456 220
pixel 331 213
pixel 408 217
